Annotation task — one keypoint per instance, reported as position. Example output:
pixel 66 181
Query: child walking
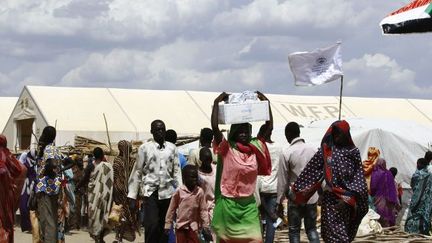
pixel 207 178
pixel 189 207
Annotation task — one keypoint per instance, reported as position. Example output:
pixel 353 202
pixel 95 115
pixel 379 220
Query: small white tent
pixel 401 142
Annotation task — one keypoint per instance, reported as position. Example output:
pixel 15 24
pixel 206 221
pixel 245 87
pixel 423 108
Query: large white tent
pixel 7 105
pixel 129 112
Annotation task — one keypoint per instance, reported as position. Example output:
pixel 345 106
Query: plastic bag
pixel 115 215
pixel 243 97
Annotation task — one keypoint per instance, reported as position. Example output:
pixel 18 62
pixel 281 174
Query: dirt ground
pixel 74 237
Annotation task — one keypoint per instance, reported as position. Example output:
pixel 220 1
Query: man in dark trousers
pixel 292 161
pixel 157 173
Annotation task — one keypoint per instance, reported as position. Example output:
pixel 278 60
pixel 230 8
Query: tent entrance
pixel 24 132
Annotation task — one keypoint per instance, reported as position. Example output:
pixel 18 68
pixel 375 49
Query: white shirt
pixel 292 161
pixel 268 184
pixel 194 156
pixel 155 169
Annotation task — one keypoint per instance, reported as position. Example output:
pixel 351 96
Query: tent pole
pixel 340 98
pixel 109 141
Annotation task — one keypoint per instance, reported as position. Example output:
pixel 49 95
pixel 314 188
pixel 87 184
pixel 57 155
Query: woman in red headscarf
pixel 11 171
pixel 344 198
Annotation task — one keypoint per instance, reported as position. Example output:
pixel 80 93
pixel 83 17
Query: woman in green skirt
pixel 240 160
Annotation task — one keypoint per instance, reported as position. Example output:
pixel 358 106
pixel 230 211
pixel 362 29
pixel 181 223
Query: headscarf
pixel 4 151
pixel 124 149
pixel 256 146
pixel 9 162
pixel 368 165
pixel 122 167
pixel 3 141
pixel 123 163
pixel 383 190
pixel 12 174
pixel 327 145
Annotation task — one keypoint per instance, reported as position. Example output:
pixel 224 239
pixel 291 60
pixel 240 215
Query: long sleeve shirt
pixel 292 161
pixel 156 169
pixel 191 208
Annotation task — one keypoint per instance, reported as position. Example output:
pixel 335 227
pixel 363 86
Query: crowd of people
pixel 230 189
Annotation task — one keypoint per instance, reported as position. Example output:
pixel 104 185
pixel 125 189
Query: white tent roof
pixel 176 108
pixel 7 105
pixel 79 109
pixel 390 124
pixel 130 111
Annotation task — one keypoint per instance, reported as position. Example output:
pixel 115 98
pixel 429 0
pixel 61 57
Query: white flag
pixel 317 67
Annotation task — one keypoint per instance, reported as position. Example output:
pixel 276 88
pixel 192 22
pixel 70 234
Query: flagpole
pixel 340 97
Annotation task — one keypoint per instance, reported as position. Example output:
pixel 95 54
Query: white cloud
pixel 204 45
pixel 170 67
pixel 4 80
pixel 276 17
pixel 116 66
pixel 36 17
pixel 108 20
pixel 380 74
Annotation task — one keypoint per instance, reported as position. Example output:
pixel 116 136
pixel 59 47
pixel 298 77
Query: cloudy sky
pixel 210 45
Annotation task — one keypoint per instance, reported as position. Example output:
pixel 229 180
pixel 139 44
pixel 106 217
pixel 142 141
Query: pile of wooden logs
pixel 391 234
pixel 85 145
pixel 186 139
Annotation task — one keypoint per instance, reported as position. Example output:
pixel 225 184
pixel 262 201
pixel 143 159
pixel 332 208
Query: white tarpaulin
pixel 401 142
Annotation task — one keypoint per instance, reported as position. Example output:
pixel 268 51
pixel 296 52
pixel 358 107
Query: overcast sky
pixel 210 45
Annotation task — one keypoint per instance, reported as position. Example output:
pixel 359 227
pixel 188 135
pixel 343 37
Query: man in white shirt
pixel 156 173
pixel 292 161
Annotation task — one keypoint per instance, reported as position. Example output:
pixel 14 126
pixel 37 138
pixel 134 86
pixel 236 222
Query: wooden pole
pixel 340 98
pixel 106 127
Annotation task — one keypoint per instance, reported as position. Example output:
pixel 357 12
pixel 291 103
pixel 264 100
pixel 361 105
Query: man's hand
pixel 207 234
pixel 144 200
pixel 79 190
pixel 340 205
pixel 279 210
pixel 132 204
pixel 290 194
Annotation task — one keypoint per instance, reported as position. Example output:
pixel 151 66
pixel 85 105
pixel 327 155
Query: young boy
pixel 190 208
pixel 207 178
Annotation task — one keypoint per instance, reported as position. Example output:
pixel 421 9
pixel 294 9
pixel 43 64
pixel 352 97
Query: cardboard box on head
pixel 243 107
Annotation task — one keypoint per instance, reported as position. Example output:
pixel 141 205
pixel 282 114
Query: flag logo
pixel 321 60
pixel 321 65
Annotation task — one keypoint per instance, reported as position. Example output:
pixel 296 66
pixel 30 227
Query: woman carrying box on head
pixel 240 160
